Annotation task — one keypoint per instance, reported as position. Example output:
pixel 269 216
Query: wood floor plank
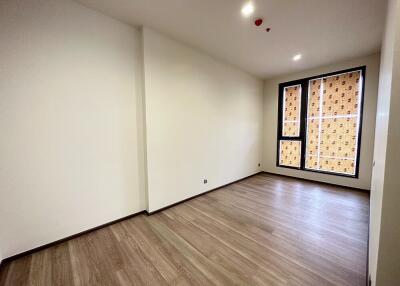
pixel 265 230
pixel 217 253
pixel 253 224
pixel 185 270
pixel 19 272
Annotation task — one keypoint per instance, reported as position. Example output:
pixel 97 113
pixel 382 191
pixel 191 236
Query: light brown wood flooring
pixel 265 230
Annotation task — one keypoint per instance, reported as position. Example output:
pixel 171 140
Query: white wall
pixel 367 138
pixel 382 120
pixel 1 250
pixel 384 252
pixel 203 120
pixel 69 156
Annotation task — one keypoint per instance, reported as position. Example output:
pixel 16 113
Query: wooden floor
pixel 265 230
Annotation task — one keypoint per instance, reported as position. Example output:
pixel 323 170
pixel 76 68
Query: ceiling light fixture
pixel 297 57
pixel 247 9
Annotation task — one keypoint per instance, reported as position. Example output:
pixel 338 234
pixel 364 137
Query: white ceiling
pixel 323 31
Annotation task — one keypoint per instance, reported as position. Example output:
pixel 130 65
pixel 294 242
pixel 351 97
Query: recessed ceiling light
pixel 297 57
pixel 247 9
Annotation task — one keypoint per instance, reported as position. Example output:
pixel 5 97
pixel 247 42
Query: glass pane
pixel 312 136
pixel 314 96
pixel 333 123
pixel 338 137
pixel 337 166
pixel 340 94
pixel 290 153
pixel 291 111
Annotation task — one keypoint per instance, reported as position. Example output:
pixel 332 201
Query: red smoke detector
pixel 258 22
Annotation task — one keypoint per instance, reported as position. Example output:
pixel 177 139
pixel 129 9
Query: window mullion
pixel 303 121
pixel 321 97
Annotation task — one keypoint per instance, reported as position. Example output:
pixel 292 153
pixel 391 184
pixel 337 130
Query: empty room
pixel 199 142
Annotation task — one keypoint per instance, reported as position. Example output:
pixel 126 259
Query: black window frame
pixel 304 83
